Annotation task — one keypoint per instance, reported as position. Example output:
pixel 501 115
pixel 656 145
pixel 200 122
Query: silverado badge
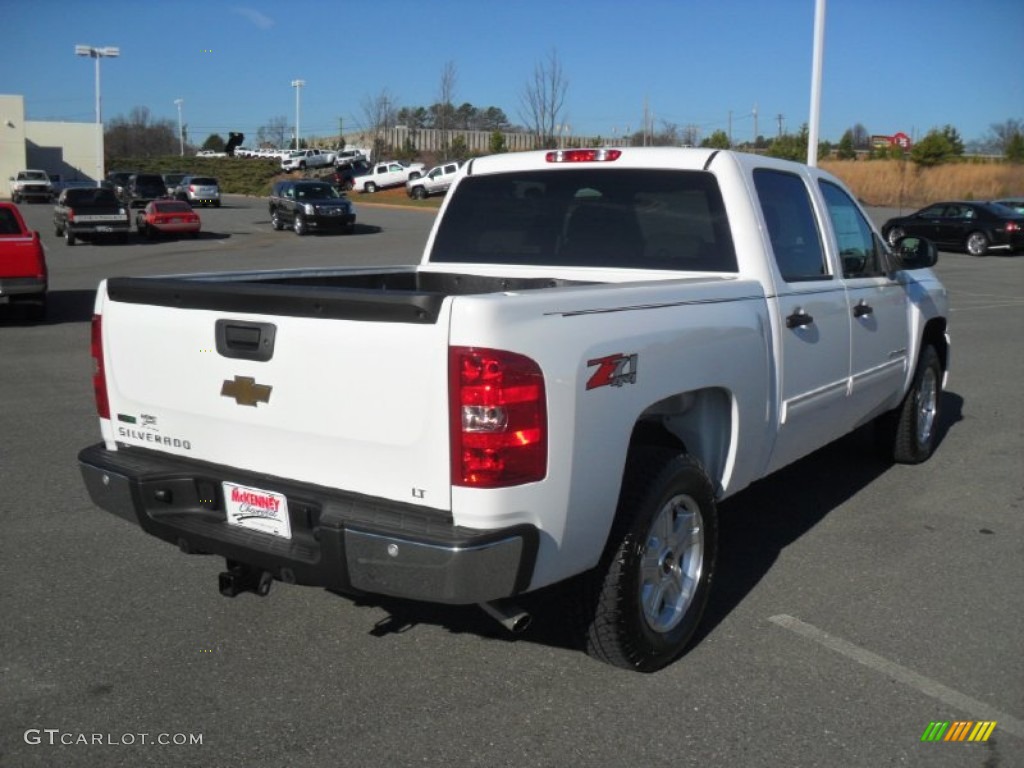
pixel 246 391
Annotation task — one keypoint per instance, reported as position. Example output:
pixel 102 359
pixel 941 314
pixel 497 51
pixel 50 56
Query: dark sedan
pixel 1013 203
pixel 977 228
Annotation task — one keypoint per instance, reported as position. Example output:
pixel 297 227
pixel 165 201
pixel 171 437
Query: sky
pixel 901 65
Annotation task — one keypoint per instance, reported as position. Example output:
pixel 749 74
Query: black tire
pixel 275 221
pixel 908 434
pixel 645 599
pixel 15 198
pixel 894 235
pixel 69 236
pixel 370 187
pixel 419 193
pixel 300 226
pixel 976 244
pixel 216 203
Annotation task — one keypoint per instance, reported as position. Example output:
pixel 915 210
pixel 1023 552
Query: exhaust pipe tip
pixel 510 616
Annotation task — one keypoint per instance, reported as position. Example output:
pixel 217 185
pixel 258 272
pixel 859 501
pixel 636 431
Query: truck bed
pixel 403 295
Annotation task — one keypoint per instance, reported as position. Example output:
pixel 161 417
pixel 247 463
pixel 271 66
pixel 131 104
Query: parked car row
pixel 136 190
pixel 975 227
pixel 97 213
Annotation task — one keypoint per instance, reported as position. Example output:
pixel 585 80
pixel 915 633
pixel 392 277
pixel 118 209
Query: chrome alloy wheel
pixel 977 244
pixel 927 406
pixel 671 564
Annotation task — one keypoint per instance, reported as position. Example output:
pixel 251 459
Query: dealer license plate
pixel 257 510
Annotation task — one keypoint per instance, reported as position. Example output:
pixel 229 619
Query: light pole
pixel 98 53
pixel 181 135
pixel 297 85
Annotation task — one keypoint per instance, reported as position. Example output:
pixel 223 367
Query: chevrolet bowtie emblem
pixel 246 391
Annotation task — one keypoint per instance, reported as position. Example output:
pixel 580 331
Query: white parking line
pixel 927 686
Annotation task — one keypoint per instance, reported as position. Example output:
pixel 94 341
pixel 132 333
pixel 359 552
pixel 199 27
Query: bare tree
pixel 379 112
pixel 445 98
pixel 861 137
pixel 1003 134
pixel 543 99
pixel 274 132
pixel 140 136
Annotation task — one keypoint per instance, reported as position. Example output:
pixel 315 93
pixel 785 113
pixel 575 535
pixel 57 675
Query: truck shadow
pixel 756 525
pixel 72 306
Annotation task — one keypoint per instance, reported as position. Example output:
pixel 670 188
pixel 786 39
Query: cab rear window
pixel 608 218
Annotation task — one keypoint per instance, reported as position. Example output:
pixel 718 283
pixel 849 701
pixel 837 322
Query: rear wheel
pixel 69 236
pixel 275 221
pixel 977 244
pixel 647 595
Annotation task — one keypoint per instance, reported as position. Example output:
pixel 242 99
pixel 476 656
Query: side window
pixel 859 249
pixel 792 228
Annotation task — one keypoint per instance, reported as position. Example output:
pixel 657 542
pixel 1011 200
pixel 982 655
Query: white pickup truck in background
pixel 436 181
pixel 596 347
pixel 384 175
pixel 31 185
pixel 302 159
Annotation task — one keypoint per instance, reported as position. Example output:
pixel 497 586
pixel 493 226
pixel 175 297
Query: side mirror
pixel 915 253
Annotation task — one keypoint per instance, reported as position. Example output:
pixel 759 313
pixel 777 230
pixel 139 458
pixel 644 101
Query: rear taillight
pixel 192 188
pixel 498 418
pixel 71 214
pixel 1012 226
pixel 99 377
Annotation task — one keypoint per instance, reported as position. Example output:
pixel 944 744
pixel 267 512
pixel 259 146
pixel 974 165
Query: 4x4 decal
pixel 612 371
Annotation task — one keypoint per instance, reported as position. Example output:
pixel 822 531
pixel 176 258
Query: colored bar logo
pixel 959 730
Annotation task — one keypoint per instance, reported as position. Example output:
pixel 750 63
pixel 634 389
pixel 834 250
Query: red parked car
pixel 23 276
pixel 167 217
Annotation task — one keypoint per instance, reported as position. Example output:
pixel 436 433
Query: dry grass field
pixel 896 184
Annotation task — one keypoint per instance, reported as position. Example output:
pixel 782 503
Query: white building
pixel 65 148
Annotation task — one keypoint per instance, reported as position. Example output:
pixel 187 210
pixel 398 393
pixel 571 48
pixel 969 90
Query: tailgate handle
pixel 242 340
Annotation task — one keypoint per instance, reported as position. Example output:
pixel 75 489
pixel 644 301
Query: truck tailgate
pixel 19 256
pixel 342 403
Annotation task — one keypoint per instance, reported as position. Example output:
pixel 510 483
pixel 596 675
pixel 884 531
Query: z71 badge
pixel 612 371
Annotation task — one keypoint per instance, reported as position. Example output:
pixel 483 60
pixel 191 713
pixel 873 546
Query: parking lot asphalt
pixel 857 602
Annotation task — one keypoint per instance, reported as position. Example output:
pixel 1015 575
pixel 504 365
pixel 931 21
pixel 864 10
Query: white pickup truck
pixel 436 181
pixel 302 159
pixel 596 347
pixel 383 175
pixel 31 185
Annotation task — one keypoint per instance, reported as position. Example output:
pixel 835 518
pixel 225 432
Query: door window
pixel 860 252
pixel 792 228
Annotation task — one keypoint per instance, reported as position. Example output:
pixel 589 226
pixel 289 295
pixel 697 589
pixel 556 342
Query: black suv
pixel 308 206
pixel 143 188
